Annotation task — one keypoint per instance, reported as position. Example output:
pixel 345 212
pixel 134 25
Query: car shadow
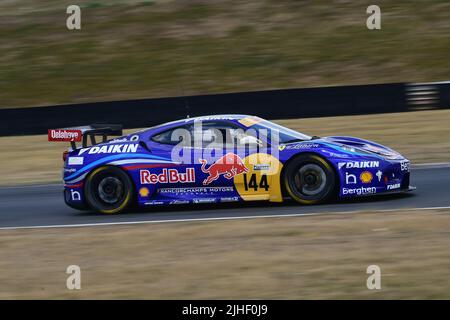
pixel 198 208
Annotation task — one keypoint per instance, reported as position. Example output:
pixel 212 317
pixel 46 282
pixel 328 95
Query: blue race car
pixel 221 158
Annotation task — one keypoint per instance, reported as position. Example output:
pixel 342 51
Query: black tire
pixel 109 190
pixel 309 179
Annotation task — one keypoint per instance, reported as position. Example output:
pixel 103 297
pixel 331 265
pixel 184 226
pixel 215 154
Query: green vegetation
pixel 136 49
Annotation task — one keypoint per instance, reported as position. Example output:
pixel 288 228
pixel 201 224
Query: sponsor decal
pixel 75 195
pixel 359 191
pixel 64 135
pixel 115 148
pixel 261 167
pixel 71 170
pixel 229 199
pixel 118 140
pixel 333 154
pixel 167 176
pixel 179 202
pixel 302 146
pixel 75 161
pixel 204 200
pixel 194 190
pixel 404 166
pixel 391 180
pixel 144 192
pixel 154 202
pixel 359 164
pixel 132 138
pixel 281 147
pixel 250 121
pixel 393 186
pixel 350 178
pixel 229 166
pixel 257 184
pixel 209 118
pixel 366 177
pixel 379 175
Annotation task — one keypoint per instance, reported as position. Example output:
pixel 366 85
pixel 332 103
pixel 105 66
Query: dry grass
pixel 321 257
pixel 131 49
pixel 421 136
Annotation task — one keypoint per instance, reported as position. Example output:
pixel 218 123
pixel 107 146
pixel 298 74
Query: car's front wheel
pixel 309 179
pixel 108 190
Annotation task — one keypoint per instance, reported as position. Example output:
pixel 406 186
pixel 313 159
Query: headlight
pixel 356 150
pixel 393 156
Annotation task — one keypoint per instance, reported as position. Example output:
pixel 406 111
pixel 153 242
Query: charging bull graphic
pixel 229 165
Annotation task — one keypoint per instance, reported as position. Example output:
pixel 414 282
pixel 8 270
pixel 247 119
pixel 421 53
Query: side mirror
pixel 144 145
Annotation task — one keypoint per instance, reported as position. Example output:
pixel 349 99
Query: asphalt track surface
pixel 43 205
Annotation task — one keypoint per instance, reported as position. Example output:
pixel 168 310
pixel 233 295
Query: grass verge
pixel 129 49
pixel 316 257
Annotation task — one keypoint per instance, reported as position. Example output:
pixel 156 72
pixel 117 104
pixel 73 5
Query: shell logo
pixel 144 192
pixel 366 177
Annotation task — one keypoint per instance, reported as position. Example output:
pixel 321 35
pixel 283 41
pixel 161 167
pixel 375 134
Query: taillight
pixel 65 154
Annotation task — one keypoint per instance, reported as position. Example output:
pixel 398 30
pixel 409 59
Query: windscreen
pixel 285 134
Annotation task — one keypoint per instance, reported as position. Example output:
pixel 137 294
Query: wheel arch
pixel 310 153
pixel 94 170
pixel 89 174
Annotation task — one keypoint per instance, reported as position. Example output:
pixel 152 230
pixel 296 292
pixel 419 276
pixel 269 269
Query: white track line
pixel 417 166
pixel 216 219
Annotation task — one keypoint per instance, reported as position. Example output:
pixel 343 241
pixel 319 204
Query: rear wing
pixel 82 134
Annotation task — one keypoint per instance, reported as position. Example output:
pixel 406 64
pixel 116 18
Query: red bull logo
pixel 229 166
pixel 168 176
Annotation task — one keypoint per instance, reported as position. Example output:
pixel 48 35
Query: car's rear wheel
pixel 309 179
pixel 109 190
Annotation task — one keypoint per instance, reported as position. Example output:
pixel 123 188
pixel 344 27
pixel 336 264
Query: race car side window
pixel 207 134
pixel 166 137
pixel 197 134
pixel 213 134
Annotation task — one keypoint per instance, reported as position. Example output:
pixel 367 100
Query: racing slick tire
pixel 109 190
pixel 309 179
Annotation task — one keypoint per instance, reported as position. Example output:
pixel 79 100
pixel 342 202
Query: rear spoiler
pixel 81 134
